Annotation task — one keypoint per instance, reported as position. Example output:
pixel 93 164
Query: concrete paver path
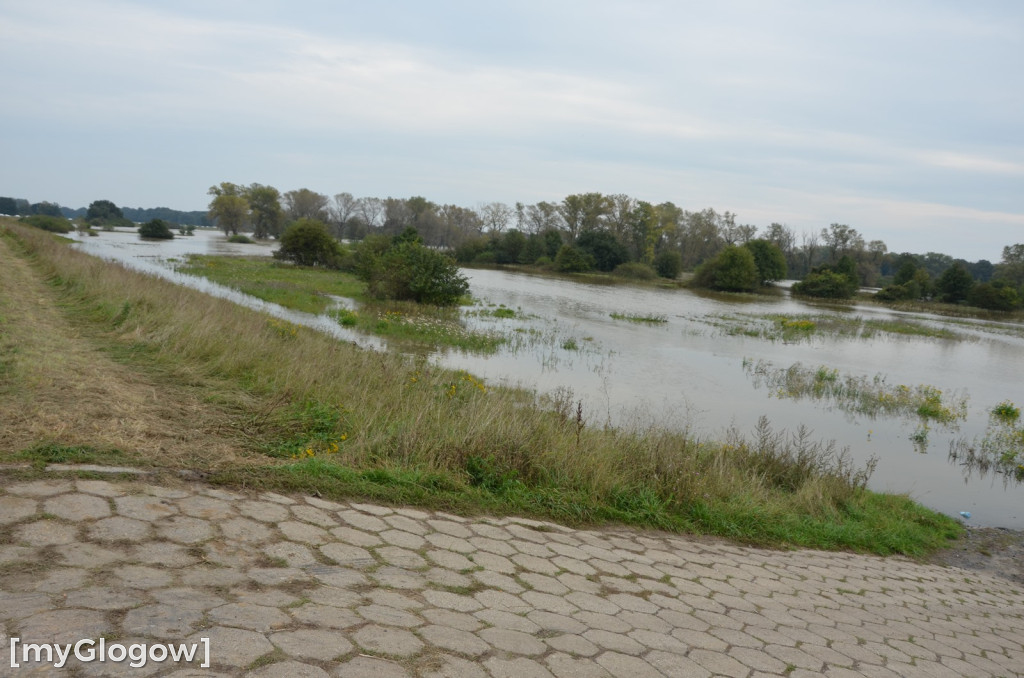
pixel 299 587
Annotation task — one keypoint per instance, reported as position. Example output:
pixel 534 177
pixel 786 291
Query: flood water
pixel 688 371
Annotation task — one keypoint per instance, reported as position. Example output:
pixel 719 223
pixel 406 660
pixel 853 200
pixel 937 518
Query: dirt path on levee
pixel 59 386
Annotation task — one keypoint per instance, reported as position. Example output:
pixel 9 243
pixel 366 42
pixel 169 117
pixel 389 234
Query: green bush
pixel 733 270
pixel 48 223
pixel 573 260
pixel 769 259
pixel 239 238
pixel 995 297
pixel 827 284
pixel 635 271
pixel 157 229
pixel 403 268
pixel 669 264
pixel 308 243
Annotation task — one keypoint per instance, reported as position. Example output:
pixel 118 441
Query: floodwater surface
pixel 691 368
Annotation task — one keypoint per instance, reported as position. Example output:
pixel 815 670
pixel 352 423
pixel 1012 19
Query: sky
pixel 904 120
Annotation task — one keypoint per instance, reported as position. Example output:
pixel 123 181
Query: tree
pixel 572 259
pixel 307 243
pixel 840 240
pixel 51 209
pixel 496 216
pixel 344 208
pixel 403 268
pixel 229 208
pixel 1011 268
pixel 668 264
pixel 954 284
pixel 8 206
pixel 584 212
pixel 769 259
pixel 157 229
pixel 732 270
pixel 993 296
pixel 266 214
pixel 826 283
pixel 103 211
pixel 605 249
pixel 306 204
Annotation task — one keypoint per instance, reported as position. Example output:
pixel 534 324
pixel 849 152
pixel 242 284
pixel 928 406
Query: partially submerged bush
pixel 157 229
pixel 669 264
pixel 403 268
pixel 635 270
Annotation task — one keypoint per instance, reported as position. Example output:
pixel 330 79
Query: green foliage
pixel 404 269
pixel 954 284
pixel 1006 412
pixel 769 259
pixel 266 214
pixel 669 264
pixel 572 259
pixel 157 229
pixel 103 211
pixel 733 270
pixel 307 243
pixel 605 249
pixel 48 223
pixel 229 207
pixel 239 238
pixel 635 270
pixel 994 296
pixel 826 284
pixel 509 248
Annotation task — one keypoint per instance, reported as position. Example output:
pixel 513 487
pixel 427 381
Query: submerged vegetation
pixel 308 413
pixel 795 328
pixel 1000 449
pixel 869 396
pixel 636 318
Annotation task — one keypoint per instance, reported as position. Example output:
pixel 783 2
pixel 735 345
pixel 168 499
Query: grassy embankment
pixel 197 381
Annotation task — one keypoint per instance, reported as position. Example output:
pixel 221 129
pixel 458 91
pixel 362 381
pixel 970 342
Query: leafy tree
pixel 509 248
pixel 954 284
pixel 403 268
pixel 584 212
pixel 605 249
pixel 572 259
pixel 8 206
pixel 1011 268
pixel 733 270
pixel 826 283
pixel 306 204
pixel 103 211
pixel 668 264
pixel 266 214
pixel 156 228
pixel 51 209
pixel 995 296
pixel 307 243
pixel 229 208
pixel 552 242
pixel 769 259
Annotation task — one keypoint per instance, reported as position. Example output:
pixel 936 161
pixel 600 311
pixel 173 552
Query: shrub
pixel 635 271
pixel 573 260
pixel 403 268
pixel 733 270
pixel 157 229
pixel 669 264
pixel 827 284
pixel 605 249
pixel 994 297
pixel 769 259
pixel 48 223
pixel 308 243
pixel 238 237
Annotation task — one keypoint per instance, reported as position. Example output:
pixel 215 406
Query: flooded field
pixel 916 392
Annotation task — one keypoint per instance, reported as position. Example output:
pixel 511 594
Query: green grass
pixel 635 318
pixel 319 415
pixel 301 288
pixel 803 327
pixel 869 396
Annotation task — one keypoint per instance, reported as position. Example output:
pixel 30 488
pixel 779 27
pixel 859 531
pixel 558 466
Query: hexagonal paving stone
pixel 77 507
pixel 161 621
pixel 312 643
pixel 13 509
pixel 371 667
pixel 46 533
pixel 233 647
pixel 252 617
pixel 144 507
pixel 185 530
pixel 119 528
pixel 387 640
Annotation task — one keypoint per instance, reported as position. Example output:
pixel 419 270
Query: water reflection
pixel 687 372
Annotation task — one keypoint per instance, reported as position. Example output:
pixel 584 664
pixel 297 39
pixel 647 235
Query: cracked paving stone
pixel 251 617
pixel 454 640
pixel 233 647
pixel 515 642
pixel 62 626
pixel 317 644
pixel 370 667
pixel 77 507
pixel 144 507
pixel 161 621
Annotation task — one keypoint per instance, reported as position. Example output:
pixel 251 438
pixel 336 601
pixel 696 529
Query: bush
pixel 635 271
pixel 573 260
pixel 238 237
pixel 308 243
pixel 733 270
pixel 403 268
pixel 605 249
pixel 48 223
pixel 827 284
pixel 994 297
pixel 769 259
pixel 157 229
pixel 669 264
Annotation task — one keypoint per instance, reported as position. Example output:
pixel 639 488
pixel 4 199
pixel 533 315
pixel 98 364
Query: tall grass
pixel 332 417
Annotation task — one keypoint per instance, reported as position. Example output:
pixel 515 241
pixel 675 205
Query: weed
pixel 635 318
pixel 1006 412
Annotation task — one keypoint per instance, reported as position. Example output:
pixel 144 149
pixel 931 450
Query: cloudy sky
pixel 902 119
